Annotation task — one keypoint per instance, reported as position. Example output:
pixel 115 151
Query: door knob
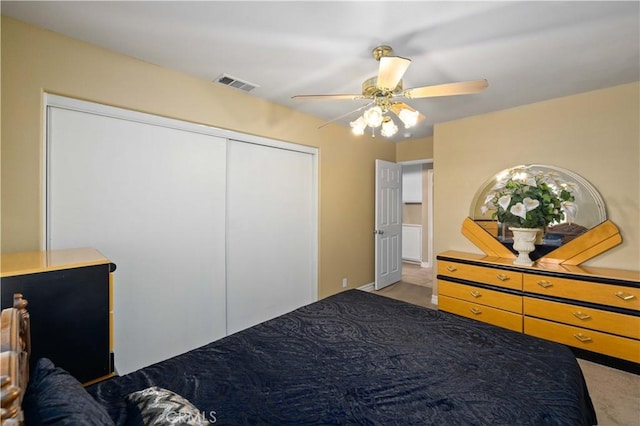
pixel 379 232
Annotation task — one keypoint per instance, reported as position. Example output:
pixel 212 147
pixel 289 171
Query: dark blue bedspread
pixel 357 358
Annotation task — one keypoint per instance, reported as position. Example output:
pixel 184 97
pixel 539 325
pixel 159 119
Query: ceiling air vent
pixel 227 80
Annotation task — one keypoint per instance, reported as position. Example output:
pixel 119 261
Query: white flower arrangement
pixel 529 198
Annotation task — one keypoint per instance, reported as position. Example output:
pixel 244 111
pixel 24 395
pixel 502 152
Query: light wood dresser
pixel 595 311
pixel 70 298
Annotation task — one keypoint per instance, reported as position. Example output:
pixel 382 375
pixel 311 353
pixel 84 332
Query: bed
pixel 355 358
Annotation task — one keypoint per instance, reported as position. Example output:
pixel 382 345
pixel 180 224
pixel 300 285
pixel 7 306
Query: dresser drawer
pixel 604 294
pixel 481 274
pixel 595 341
pixel 595 319
pixel 480 312
pixel 497 299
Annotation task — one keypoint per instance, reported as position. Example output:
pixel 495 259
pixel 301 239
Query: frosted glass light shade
pixel 389 128
pixel 373 116
pixel 408 117
pixel 358 126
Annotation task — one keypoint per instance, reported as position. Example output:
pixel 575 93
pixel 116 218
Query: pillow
pixel 55 397
pixel 158 406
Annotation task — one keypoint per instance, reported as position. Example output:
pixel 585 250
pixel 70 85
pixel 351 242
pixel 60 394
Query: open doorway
pixel 417 214
pixel 416 281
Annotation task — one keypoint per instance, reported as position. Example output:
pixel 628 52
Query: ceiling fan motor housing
pixel 370 88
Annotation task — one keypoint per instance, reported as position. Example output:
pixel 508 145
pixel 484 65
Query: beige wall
pixel 594 134
pixel 412 213
pixel 419 149
pixel 36 61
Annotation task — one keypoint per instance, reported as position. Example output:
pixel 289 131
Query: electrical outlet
pixel 344 282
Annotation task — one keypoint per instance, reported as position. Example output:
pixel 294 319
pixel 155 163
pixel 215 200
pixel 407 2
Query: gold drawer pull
pixel 475 311
pixel 475 294
pixel 625 296
pixel 502 277
pixel 582 337
pixel 451 268
pixel 544 284
pixel 581 315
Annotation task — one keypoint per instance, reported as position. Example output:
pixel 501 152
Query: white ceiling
pixel 528 51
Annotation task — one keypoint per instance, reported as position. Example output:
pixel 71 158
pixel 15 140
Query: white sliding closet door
pixel 151 198
pixel 270 233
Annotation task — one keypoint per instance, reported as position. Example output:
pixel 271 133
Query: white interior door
pixel 151 199
pixel 388 222
pixel 271 243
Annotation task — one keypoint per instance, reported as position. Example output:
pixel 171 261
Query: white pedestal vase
pixel 524 243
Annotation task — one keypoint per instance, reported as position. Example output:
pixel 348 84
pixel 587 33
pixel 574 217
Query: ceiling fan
pixel 384 90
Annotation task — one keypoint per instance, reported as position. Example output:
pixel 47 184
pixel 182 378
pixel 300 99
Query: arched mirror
pixel 589 208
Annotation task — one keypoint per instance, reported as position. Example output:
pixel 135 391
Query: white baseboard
pixel 367 287
pixel 419 263
pixel 434 299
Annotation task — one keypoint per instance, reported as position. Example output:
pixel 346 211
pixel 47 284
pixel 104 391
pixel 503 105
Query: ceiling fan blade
pixel 345 115
pixel 347 97
pixel 390 71
pixel 450 89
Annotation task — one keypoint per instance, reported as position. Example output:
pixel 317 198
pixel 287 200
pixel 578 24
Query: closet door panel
pixel 270 233
pixel 151 199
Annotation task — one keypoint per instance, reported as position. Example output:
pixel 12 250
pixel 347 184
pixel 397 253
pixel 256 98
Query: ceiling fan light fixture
pixel 373 116
pixel 384 89
pixel 408 117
